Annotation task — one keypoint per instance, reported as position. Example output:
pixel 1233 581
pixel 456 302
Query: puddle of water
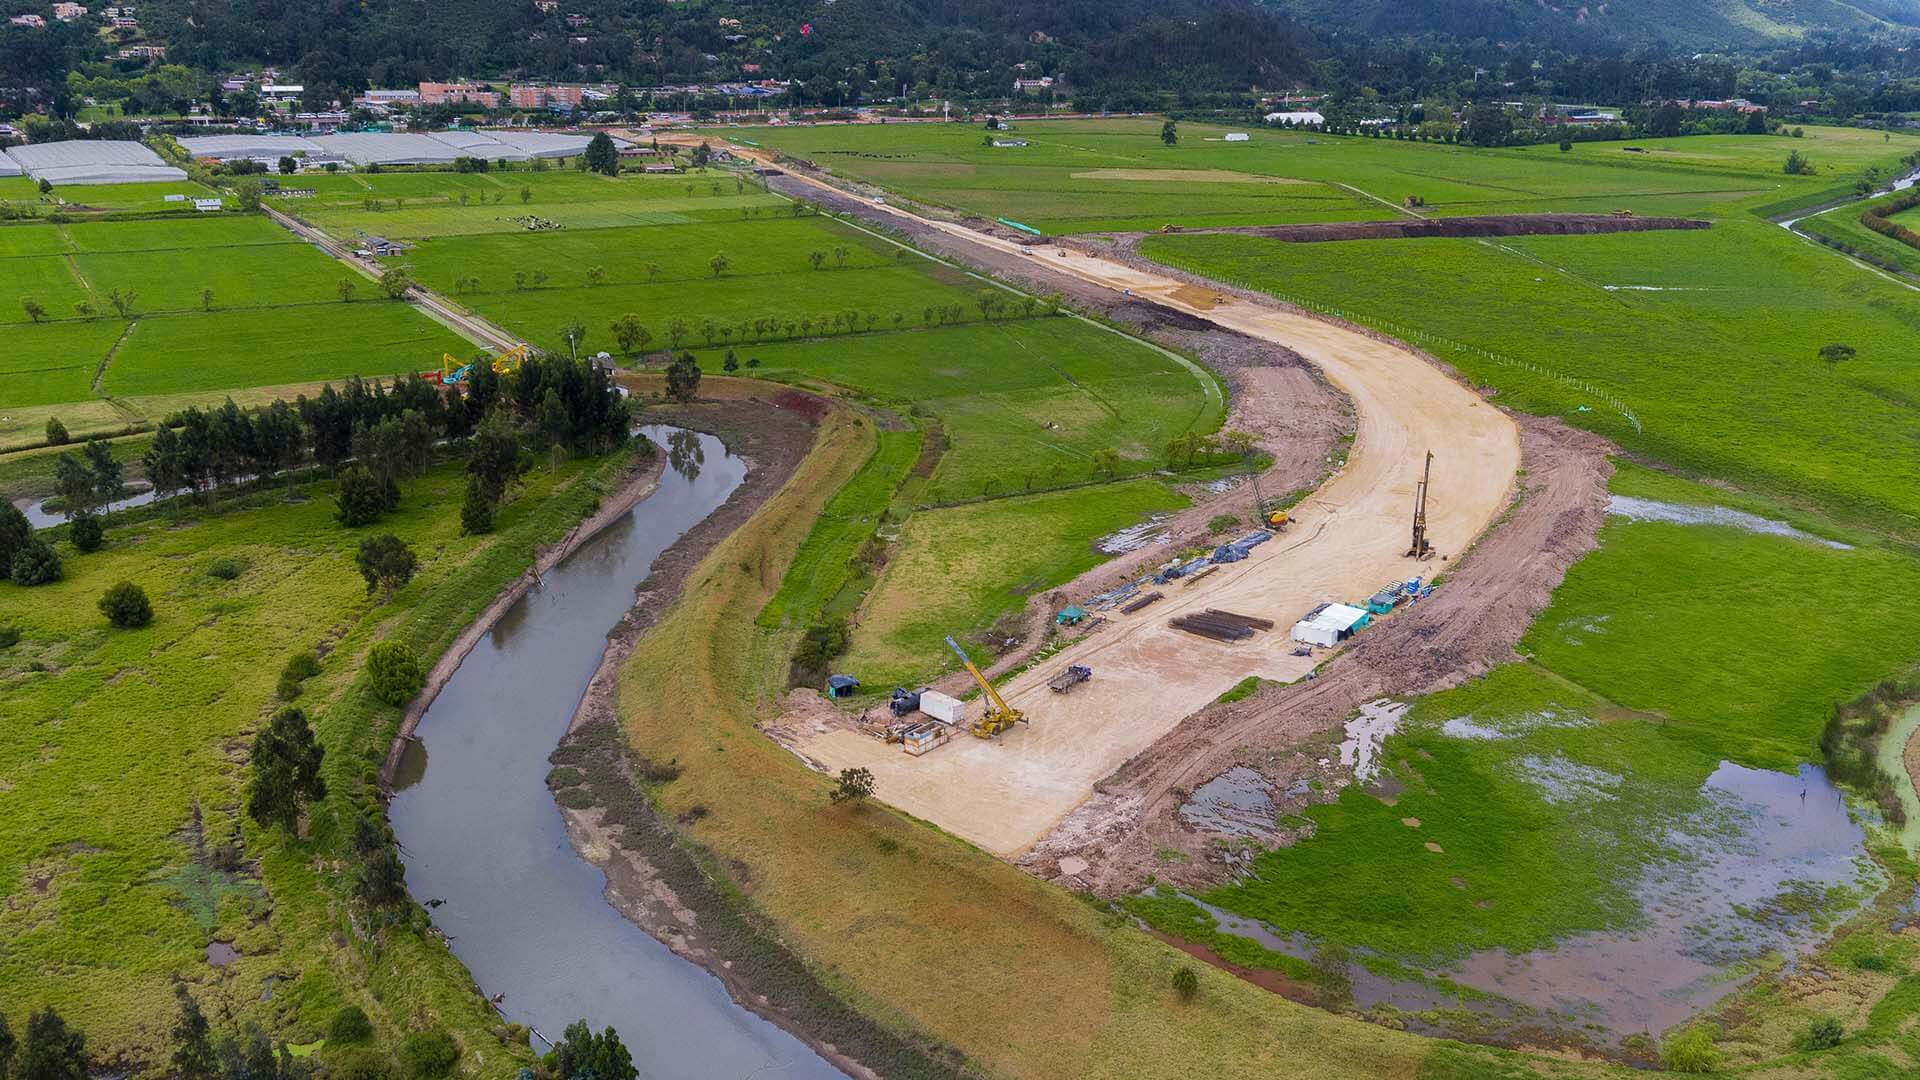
pixel 1762 869
pixel 220 954
pixel 1133 537
pixel 1360 750
pixel 1467 727
pixel 1238 802
pixel 39 517
pixel 1563 780
pixel 1653 510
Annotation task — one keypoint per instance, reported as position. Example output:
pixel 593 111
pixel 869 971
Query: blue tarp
pixel 842 682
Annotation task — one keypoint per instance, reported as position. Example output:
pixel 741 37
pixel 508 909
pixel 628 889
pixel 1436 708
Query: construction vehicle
pixel 1072 676
pixel 999 716
pixel 1421 548
pixel 454 370
pixel 1277 520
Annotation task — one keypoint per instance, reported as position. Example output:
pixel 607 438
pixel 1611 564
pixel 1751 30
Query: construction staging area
pixel 1346 540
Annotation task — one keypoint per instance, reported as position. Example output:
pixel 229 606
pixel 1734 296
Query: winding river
pixel 485 845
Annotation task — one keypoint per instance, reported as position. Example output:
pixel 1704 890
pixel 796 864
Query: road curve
pixel 1350 540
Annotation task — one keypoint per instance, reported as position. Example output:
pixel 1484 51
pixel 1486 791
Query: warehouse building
pixel 92 161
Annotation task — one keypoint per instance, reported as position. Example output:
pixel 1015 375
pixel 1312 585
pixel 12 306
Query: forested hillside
pixel 1567 23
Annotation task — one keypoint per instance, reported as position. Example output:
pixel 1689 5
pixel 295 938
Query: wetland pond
pixel 485 846
pixel 1772 863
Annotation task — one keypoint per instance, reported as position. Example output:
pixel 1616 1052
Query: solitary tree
pixel 32 308
pixel 630 334
pixel 56 432
pixel 596 275
pixel 719 264
pixel 125 606
pixel 526 194
pixel 683 378
pixel 1105 460
pixel 122 301
pixel 1836 354
pixel 730 364
pixel 816 258
pixel 395 282
pixel 394 670
pixel 1186 983
pixel 345 288
pixel 206 299
pixel 653 271
pixel 1169 133
pixel 386 562
pixel 286 770
pixel 602 156
pixel 853 786
pixel 839 257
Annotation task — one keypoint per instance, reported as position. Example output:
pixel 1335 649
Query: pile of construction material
pixel 1142 602
pixel 1221 625
pixel 1240 548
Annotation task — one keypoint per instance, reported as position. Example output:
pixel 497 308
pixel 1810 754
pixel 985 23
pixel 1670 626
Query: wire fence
pixel 1433 343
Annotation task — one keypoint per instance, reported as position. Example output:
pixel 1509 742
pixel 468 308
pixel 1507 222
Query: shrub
pixel 125 606
pixel 1220 523
pixel 361 499
pixel 428 1055
pixel 86 533
pixel 476 513
pixel 1823 1034
pixel 1186 983
pixel 35 564
pixel 56 432
pixel 349 1026
pixel 854 785
pixel 300 667
pixel 1865 961
pixel 9 636
pixel 395 672
pixel 226 568
pixel 359 1063
pixel 1690 1051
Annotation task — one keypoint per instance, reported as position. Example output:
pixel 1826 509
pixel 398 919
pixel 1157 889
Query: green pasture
pixel 1720 368
pixel 1025 403
pixel 141 198
pixel 18 189
pixel 1843 224
pixel 957 570
pixel 1050 180
pixel 22 238
pixel 122 765
pixel 422 204
pixel 52 281
pixel 198 232
pixel 680 256
pixel 1641 680
pixel 54 362
pixel 168 354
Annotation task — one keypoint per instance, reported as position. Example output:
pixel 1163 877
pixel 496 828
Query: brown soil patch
pixel 1435 848
pixel 1204 299
pixel 1469 226
pixel 1410 822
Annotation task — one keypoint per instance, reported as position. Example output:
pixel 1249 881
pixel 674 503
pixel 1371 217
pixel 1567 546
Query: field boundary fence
pixel 1435 344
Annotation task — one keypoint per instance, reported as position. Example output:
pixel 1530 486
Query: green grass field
pixel 823 568
pixel 957 570
pixel 1067 178
pixel 1709 337
pixel 123 762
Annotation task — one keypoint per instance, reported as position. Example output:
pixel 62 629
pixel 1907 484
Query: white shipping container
pixel 947 710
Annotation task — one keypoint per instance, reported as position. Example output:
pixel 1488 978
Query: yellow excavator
pixel 999 715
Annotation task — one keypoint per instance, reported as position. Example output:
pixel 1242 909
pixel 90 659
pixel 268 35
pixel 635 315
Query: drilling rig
pixel 1421 548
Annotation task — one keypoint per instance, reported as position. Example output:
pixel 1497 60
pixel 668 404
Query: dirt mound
pixel 1483 225
pixel 1466 628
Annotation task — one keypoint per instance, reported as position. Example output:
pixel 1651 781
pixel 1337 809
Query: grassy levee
pixel 124 776
pixel 824 564
pixel 910 925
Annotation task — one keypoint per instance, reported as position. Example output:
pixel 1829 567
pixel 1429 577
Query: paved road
pixel 1351 539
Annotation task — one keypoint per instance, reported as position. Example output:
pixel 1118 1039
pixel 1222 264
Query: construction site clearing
pixel 1346 539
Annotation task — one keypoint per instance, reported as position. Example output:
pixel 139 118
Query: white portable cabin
pixel 1330 625
pixel 1236 136
pixel 943 707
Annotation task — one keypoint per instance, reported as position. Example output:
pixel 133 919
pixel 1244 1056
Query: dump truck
pixel 1071 676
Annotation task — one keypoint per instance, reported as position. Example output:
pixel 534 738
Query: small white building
pixel 208 206
pixel 1331 624
pixel 1236 136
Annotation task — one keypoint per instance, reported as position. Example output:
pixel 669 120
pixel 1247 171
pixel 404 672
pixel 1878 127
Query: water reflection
pixel 480 831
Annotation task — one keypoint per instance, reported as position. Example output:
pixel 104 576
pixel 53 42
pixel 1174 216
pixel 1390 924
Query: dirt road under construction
pixel 1350 539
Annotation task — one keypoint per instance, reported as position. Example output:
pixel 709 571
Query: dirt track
pixel 1008 794
pixel 1469 226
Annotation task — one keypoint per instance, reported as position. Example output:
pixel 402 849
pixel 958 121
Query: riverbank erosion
pixel 892 943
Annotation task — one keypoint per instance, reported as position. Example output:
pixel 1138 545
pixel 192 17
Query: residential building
pixel 1033 86
pixel 143 52
pixel 67 12
pixel 28 20
pixel 433 93
pixel 546 7
pixel 282 91
pixel 534 96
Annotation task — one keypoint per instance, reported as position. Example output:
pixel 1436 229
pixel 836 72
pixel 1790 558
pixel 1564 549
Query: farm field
pixel 1843 224
pixel 136 198
pixel 414 205
pixel 1709 337
pixel 274 315
pixel 117 827
pixel 1065 179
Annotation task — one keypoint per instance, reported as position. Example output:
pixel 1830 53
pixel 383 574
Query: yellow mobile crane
pixel 999 715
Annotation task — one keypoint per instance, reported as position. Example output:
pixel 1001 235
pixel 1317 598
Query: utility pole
pixel 1421 548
